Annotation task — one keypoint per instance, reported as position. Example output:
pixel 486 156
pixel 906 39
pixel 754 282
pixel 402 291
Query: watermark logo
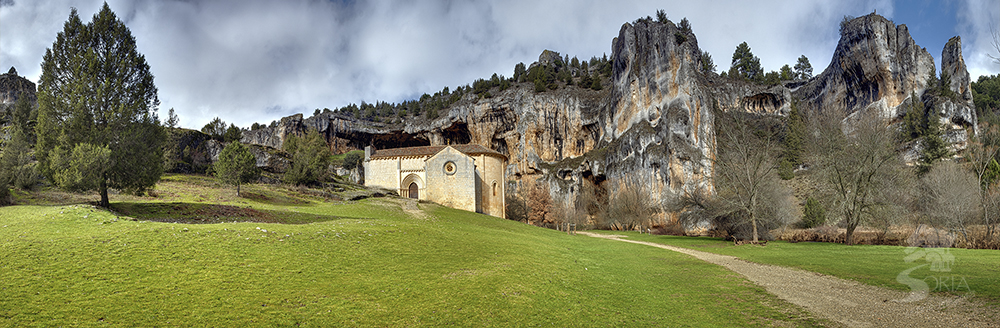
pixel 939 262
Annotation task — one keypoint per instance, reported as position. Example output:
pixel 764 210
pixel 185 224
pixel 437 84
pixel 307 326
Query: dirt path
pixel 410 206
pixel 847 302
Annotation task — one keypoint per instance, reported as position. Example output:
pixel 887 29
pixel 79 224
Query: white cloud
pixel 975 19
pixel 257 60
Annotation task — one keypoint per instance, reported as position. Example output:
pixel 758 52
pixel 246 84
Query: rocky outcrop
pixel 876 66
pixel 738 95
pixel 953 65
pixel 654 122
pixel 274 136
pixel 13 86
pixel 659 121
pixel 959 110
pixel 191 151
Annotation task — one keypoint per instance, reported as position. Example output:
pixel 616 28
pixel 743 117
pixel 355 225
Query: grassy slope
pixel 873 265
pixel 364 263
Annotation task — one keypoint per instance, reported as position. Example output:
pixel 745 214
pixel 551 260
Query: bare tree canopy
pixel 748 200
pixel 859 166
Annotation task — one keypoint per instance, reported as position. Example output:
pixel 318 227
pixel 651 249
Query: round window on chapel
pixel 449 168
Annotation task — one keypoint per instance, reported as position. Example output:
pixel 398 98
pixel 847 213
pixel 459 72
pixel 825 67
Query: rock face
pixel 953 65
pixel 654 122
pixel 13 85
pixel 959 111
pixel 659 119
pixel 876 66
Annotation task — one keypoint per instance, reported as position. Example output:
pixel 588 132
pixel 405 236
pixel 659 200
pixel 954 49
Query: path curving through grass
pixel 847 302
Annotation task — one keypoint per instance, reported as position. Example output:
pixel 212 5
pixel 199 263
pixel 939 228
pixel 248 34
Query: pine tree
pixel 661 16
pixel 745 64
pixel 172 120
pixel 233 133
pixel 216 128
pixel 935 148
pixel 707 65
pixel 236 166
pixel 803 70
pixel 785 73
pixel 913 120
pixel 793 143
pixel 310 158
pixel 97 127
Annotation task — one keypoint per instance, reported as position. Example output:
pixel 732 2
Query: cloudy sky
pixel 257 60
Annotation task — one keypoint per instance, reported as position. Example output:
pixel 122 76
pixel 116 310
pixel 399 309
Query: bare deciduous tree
pixel 539 203
pixel 996 43
pixel 950 197
pixel 860 167
pixel 981 156
pixel 747 201
pixel 632 205
pixel 746 173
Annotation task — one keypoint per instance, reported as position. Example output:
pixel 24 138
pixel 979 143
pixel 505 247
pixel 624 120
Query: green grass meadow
pixel 973 272
pixel 279 257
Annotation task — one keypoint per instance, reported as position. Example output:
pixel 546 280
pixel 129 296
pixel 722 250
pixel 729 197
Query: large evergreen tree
pixel 97 128
pixel 803 70
pixel 745 64
pixel 215 128
pixel 310 158
pixel 233 133
pixel 707 65
pixel 16 158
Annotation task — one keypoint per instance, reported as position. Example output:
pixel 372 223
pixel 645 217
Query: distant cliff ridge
pixel 654 118
pixel 13 85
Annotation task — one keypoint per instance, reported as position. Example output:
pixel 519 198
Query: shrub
pixel 352 160
pixel 680 37
pixel 310 158
pixel 814 214
pixel 596 85
pixel 539 86
pixel 632 206
pixel 4 194
pixel 786 170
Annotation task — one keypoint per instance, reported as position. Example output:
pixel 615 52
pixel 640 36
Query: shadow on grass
pixel 199 213
pixel 272 198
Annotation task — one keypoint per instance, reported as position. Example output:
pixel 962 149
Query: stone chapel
pixel 468 177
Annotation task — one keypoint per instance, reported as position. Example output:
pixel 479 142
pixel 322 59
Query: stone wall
pixel 491 185
pixel 382 172
pixel 451 180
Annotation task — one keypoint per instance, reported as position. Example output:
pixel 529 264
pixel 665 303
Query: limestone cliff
pixel 13 85
pixel 654 120
pixel 877 67
pixel 659 120
pixel 958 111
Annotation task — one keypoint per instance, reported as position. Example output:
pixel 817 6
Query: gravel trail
pixel 847 302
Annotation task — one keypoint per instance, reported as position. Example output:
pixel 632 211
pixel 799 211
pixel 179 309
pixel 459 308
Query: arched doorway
pixel 410 186
pixel 414 190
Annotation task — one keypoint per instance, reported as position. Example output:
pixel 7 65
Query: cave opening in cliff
pixel 396 139
pixel 456 134
pixel 762 103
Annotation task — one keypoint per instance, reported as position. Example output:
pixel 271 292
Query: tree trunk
pixel 850 233
pixel 238 190
pixel 753 220
pixel 104 193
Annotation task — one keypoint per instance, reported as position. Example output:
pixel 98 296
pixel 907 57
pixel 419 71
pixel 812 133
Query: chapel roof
pixel 468 149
